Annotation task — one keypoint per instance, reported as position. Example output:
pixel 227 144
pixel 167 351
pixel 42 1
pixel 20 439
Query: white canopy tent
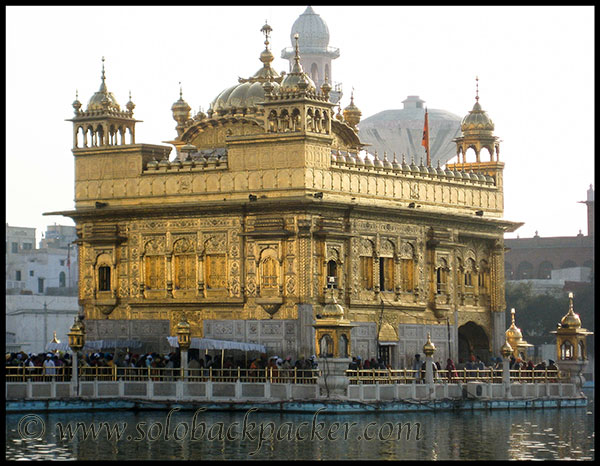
pixel 210 344
pixel 96 345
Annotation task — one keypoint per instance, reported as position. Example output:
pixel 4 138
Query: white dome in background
pixel 401 131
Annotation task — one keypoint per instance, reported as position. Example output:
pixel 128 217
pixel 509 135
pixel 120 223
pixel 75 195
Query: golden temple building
pixel 269 210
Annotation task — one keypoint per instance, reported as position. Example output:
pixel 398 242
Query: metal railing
pixel 162 374
pixel 391 376
pixel 38 374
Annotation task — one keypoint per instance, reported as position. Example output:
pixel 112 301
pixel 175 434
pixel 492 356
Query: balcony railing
pixel 162 374
pixel 403 376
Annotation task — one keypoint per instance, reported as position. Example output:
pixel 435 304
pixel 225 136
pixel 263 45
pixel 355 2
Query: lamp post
pixel 506 350
pixel 429 349
pixel 184 340
pixel 76 342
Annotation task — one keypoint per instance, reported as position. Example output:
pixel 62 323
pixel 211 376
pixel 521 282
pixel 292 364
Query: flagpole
pixel 425 141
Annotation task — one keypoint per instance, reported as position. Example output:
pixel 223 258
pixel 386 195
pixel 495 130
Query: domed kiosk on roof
pixel 316 54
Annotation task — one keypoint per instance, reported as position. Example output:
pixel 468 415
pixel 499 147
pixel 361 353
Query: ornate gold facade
pixel 266 208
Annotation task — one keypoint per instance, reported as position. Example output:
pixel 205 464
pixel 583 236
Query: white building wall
pixel 33 326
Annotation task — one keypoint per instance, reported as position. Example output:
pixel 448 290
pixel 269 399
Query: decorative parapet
pixel 353 162
pixel 199 164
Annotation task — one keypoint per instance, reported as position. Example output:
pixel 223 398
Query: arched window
pixel 441 277
pixel 366 272
pixel 568 264
pixel 343 346
pixel 62 280
pixel 545 270
pixel 184 265
pixel 508 271
pixel 314 73
pixel 326 346
pixel 386 273
pixel 216 271
pixel 407 267
pixel 469 271
pixel 269 275
pixel 581 350
pixel 332 277
pixel 483 278
pixel 524 271
pixel 103 278
pixel 566 350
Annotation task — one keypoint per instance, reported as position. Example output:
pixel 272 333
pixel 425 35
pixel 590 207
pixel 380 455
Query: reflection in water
pixel 518 434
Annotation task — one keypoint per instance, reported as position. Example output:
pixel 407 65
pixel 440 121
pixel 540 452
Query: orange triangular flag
pixel 425 141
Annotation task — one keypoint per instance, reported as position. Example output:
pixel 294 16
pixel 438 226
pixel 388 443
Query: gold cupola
pixel 570 320
pixel 76 103
pixel 297 80
pixel 103 100
pixel 130 105
pixel 571 336
pixel 477 130
pixel 181 109
pixel 352 113
pixel 514 337
pixel 513 334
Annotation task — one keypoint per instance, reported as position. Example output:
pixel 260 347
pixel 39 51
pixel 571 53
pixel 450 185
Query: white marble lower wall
pixel 237 391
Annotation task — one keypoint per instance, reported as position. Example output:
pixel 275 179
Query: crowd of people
pixel 60 363
pixel 471 368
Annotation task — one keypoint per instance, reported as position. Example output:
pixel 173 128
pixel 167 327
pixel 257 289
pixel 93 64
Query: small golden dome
pixel 333 309
pixel 297 80
pixel 570 320
pixel 103 100
pixel 352 113
pixel 477 120
pixel 181 109
pixel 513 334
pixel 428 347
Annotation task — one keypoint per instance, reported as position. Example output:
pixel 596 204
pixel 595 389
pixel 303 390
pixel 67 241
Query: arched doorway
pixel 472 339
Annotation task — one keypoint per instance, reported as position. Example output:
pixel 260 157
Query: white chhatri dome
pixel 311 29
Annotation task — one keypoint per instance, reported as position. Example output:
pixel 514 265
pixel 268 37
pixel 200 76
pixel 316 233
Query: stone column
pixel 506 351
pixel 74 374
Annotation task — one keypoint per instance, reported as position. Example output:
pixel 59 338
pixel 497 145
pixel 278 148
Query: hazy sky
pixel 535 67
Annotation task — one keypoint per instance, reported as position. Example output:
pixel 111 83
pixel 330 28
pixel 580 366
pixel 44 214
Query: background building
pixel 41 286
pixel 556 261
pixel 401 132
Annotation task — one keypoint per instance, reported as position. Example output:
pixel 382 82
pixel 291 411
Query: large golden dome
pixel 248 93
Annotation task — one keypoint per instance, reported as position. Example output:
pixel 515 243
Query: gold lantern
pixel 506 350
pixel 76 335
pixel 184 334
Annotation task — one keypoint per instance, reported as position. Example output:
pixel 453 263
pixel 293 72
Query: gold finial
pixel 512 315
pixel 129 94
pixel 76 94
pixel 266 30
pixel 477 88
pixel 352 96
pixel 180 91
pixel 571 302
pixel 103 74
